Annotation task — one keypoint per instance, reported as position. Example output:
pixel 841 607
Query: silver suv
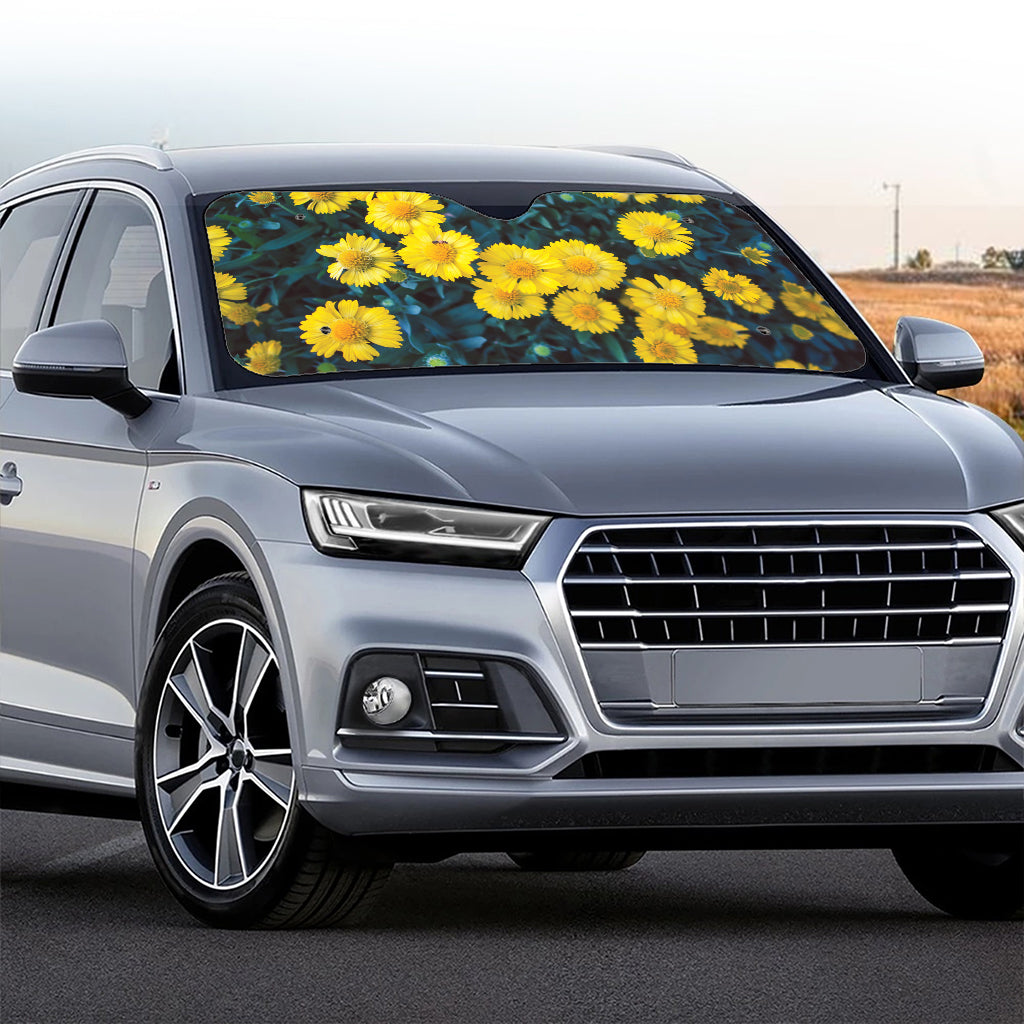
pixel 365 504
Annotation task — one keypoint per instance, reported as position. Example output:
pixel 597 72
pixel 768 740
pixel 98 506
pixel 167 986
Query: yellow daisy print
pixel 507 303
pixel 585 311
pixel 351 330
pixel 513 266
pixel 714 331
pixel 730 286
pixel 322 202
pixel 435 253
pixel 229 292
pixel 263 198
pixel 359 260
pixel 800 302
pixel 651 325
pixel 756 256
pixel 792 364
pixel 264 357
pixel 619 197
pixel 643 198
pixel 402 213
pixel 655 233
pixel 665 348
pixel 666 299
pixel 685 197
pixel 219 240
pixel 241 313
pixel 585 266
pixel 755 300
pixel 801 332
pixel 830 322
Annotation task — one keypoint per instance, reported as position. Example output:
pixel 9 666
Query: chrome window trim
pixel 547 567
pixel 98 184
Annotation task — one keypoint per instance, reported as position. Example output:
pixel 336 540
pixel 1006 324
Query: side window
pixel 117 274
pixel 29 236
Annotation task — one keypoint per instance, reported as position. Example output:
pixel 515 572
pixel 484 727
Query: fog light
pixel 386 700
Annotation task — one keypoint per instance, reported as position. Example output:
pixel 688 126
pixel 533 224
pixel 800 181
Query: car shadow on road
pixel 665 892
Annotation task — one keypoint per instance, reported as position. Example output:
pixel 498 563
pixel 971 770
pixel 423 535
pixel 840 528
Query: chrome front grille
pixel 680 586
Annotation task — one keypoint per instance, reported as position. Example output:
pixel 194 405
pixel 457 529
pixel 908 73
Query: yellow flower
pixel 436 253
pixel 792 364
pixel 643 198
pixel 513 266
pixel 322 202
pixel 665 348
pixel 350 329
pixel 684 197
pixel 506 303
pixel 732 287
pixel 230 290
pixel 801 332
pixel 755 255
pixel 755 300
pixel 241 313
pixel 830 322
pixel 800 302
pixel 669 299
pixel 653 327
pixel 715 331
pixel 656 233
pixel 229 294
pixel 264 357
pixel 219 240
pixel 261 197
pixel 359 260
pixel 402 213
pixel 585 311
pixel 619 197
pixel 584 265
pixel 364 196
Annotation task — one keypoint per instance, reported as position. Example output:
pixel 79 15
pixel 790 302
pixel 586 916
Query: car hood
pixel 607 442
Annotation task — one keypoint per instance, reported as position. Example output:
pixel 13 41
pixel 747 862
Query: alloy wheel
pixel 222 759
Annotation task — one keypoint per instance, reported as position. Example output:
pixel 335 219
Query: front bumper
pixel 330 609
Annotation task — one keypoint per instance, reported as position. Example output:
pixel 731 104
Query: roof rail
pixel 666 156
pixel 149 155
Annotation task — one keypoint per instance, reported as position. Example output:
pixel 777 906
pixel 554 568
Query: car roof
pixel 222 169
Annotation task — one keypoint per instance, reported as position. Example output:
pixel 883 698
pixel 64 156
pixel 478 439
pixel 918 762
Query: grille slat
pixel 641 587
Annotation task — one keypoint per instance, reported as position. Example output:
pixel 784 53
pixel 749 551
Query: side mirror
pixel 79 360
pixel 937 355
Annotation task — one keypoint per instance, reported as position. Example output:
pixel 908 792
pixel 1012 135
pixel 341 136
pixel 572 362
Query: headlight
pixel 1012 520
pixel 413 531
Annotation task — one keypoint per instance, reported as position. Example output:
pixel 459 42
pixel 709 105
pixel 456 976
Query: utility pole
pixel 895 225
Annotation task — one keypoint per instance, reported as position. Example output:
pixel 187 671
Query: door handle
pixel 10 483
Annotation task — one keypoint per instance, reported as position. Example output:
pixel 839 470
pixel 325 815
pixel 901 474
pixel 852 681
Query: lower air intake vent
pixel 749 762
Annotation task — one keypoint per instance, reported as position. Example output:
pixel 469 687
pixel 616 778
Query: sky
pixel 806 107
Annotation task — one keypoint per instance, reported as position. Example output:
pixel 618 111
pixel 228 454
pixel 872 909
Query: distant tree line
pixel 991 259
pixel 997 259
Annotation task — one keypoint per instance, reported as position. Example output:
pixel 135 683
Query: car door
pixel 67 537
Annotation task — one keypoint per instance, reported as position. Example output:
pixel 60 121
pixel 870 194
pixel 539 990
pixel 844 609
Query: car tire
pixel 216 782
pixel 577 860
pixel 968 883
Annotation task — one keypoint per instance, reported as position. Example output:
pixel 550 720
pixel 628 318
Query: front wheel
pixel 985 885
pixel 215 777
pixel 577 860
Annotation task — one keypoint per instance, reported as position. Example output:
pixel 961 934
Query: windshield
pixel 321 282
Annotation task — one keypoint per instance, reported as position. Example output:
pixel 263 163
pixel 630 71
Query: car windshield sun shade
pixel 321 282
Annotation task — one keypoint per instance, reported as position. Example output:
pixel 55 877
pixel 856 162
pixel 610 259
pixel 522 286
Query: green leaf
pixel 292 238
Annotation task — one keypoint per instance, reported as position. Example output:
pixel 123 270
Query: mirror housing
pixel 937 355
pixel 79 360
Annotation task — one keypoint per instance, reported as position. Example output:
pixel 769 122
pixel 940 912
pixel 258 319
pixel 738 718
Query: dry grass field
pixel 990 306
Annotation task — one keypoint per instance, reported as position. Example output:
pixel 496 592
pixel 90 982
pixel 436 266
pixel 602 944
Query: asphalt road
pixel 89 934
